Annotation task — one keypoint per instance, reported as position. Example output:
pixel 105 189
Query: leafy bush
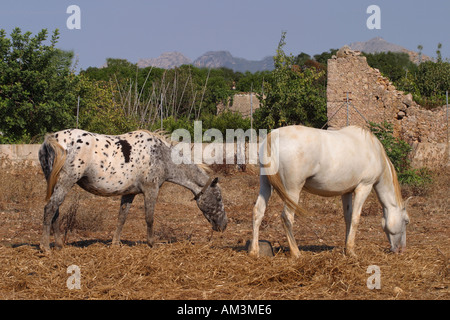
pixel 433 79
pixel 36 83
pixel 98 111
pixel 171 124
pixel 397 150
pixel 391 64
pixel 225 120
pixel 222 122
pixel 417 179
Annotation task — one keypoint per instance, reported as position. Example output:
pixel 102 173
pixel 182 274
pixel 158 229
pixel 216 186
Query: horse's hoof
pixel 45 249
pixel 59 245
pixel 350 253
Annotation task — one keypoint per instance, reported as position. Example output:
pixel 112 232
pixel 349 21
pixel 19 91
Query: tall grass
pixel 175 96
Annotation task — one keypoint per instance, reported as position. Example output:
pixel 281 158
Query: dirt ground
pixel 189 261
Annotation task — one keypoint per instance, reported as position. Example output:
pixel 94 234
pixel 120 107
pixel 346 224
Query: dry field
pixel 189 261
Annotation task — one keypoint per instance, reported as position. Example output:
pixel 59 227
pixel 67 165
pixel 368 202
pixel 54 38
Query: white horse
pixel 329 163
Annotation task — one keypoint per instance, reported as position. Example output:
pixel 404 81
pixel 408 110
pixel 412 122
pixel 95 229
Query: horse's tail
pixel 275 178
pixel 52 157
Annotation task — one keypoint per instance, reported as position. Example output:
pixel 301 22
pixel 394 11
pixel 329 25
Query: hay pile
pixel 190 264
pixel 203 271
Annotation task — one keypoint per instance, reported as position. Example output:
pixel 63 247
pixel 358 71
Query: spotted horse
pixel 127 165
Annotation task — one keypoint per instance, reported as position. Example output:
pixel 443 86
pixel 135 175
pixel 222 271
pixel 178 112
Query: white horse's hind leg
pixel 361 193
pixel 287 216
pixel 347 206
pixel 265 190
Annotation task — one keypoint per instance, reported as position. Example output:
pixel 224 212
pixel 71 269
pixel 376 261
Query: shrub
pixel 222 122
pixel 397 151
pixel 36 83
pixel 418 180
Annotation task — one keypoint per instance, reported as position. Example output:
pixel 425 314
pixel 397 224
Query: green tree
pixel 292 96
pixel 432 80
pixel 394 65
pixel 98 111
pixel 324 56
pixel 301 58
pixel 246 82
pixel 35 86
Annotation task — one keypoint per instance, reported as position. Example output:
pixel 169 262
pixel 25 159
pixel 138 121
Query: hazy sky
pixel 249 29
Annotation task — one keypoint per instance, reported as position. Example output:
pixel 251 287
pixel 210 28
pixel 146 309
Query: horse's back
pixel 329 162
pixel 110 164
pixel 328 145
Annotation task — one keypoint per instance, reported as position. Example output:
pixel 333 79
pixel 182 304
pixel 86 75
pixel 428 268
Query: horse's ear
pixel 214 182
pixel 407 200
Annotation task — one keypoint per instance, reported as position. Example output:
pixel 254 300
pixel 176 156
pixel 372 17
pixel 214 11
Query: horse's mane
pixel 165 136
pixel 398 191
pixel 389 166
pixel 161 134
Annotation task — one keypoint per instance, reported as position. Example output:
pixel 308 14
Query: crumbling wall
pixel 19 154
pixel 242 103
pixel 372 97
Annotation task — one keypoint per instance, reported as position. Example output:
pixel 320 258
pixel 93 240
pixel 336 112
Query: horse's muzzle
pixel 398 249
pixel 220 226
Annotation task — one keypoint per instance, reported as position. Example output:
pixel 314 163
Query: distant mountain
pixel 211 59
pixel 378 44
pixel 374 45
pixel 217 59
pixel 214 59
pixel 167 60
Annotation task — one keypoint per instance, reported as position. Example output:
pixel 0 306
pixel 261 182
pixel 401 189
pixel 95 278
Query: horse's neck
pixel 189 176
pixel 386 189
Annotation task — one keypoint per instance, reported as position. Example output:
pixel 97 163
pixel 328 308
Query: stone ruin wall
pixel 374 98
pixel 242 103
